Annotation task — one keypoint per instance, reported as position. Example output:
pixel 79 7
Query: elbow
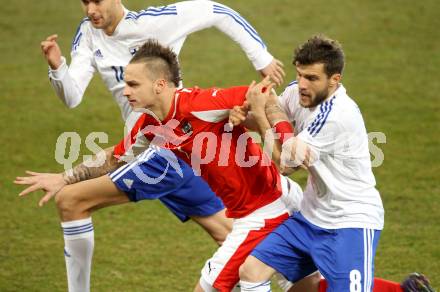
pixel 70 104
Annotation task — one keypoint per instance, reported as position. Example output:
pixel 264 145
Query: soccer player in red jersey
pixel 193 123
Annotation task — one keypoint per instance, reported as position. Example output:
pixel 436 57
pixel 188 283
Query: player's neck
pixel 167 98
pixel 332 91
pixel 109 30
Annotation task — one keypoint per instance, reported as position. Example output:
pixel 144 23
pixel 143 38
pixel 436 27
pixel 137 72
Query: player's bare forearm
pixel 272 146
pixel 275 113
pixel 88 169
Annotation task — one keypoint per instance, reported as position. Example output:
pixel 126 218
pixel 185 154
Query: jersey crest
pixel 187 128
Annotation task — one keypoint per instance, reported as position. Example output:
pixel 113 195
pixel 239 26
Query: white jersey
pixel 93 50
pixel 340 191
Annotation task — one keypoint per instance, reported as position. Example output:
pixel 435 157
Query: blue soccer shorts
pixel 345 257
pixel 159 174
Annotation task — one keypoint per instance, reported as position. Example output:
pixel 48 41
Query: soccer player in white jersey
pixel 338 226
pixel 110 35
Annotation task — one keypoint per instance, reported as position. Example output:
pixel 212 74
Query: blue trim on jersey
pixel 317 119
pixel 292 83
pixel 225 8
pixel 318 123
pixel 78 35
pixel 153 11
pixel 241 21
pixel 75 43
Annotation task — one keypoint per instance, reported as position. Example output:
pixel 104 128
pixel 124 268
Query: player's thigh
pixel 222 270
pixel 346 259
pixel 285 251
pixel 91 194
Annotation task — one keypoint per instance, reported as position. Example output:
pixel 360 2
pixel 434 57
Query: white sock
pixel 255 287
pixel 78 252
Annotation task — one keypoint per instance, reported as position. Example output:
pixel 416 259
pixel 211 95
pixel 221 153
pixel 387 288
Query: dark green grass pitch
pixel 393 62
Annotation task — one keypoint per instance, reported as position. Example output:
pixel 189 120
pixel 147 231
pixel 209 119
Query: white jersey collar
pixel 117 29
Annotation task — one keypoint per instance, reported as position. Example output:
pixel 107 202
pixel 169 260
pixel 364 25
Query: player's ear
pixel 335 79
pixel 159 85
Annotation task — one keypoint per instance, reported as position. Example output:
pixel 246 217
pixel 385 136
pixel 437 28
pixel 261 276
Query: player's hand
pixel 295 154
pixel 258 94
pixel 50 183
pixel 238 114
pixel 51 51
pixel 275 71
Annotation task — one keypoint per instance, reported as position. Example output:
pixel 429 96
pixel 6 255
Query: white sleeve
pixel 70 82
pixel 199 14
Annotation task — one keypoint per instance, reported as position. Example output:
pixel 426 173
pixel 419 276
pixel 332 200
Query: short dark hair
pixel 160 61
pixel 321 49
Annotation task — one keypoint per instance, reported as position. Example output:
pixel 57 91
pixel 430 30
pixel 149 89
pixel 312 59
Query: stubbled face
pixel 139 89
pixel 313 83
pixel 103 14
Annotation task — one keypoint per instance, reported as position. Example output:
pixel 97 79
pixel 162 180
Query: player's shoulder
pixel 211 104
pixel 344 105
pixel 289 97
pixel 342 110
pixel 187 97
pixel 83 26
pixel 151 12
pixel 82 30
pixel 290 90
pixel 197 92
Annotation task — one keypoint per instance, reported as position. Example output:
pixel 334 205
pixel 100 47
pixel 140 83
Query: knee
pixel 247 273
pixel 67 203
pixel 255 271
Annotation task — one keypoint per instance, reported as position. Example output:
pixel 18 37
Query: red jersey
pixel 229 161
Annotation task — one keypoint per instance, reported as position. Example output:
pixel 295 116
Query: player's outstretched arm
pixel 51 51
pixel 197 15
pixel 52 183
pixel 100 164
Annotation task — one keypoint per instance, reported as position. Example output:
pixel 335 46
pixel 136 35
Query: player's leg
pixel 221 272
pixel 78 201
pixel 255 275
pixel 285 250
pixel 75 204
pixel 345 257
